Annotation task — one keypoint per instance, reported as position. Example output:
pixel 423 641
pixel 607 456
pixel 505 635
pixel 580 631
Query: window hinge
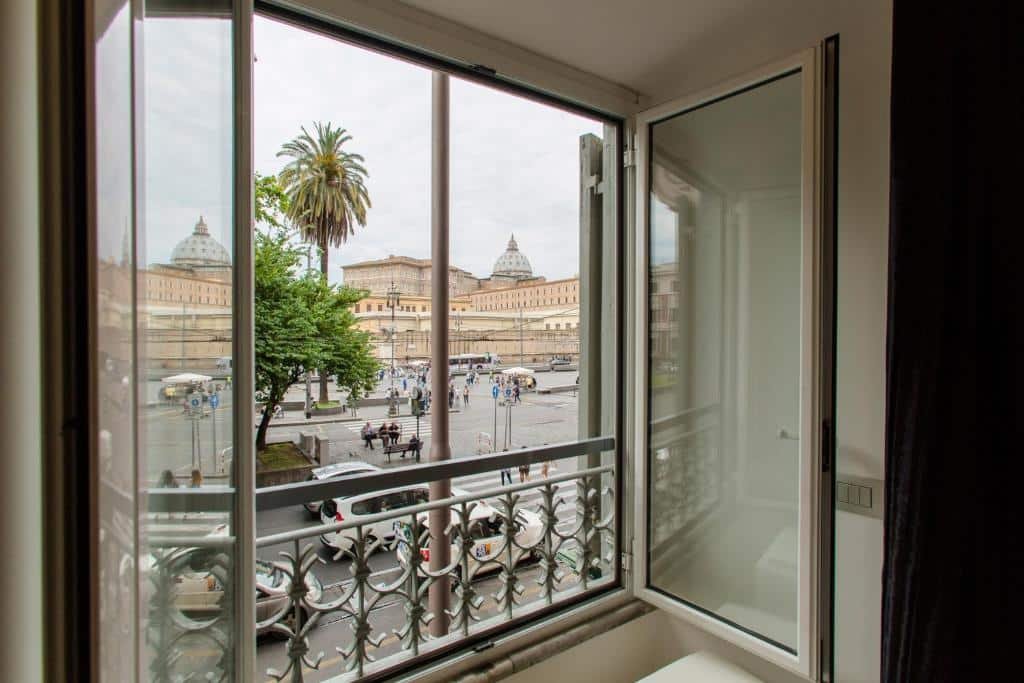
pixel 626 562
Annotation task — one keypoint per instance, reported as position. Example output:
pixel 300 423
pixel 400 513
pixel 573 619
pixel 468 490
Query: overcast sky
pixel 514 163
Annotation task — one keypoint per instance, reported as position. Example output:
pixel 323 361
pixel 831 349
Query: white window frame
pixel 805 662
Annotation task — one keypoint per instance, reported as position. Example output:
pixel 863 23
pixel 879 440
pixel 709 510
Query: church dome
pixel 200 249
pixel 513 263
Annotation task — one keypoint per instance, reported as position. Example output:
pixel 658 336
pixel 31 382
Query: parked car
pixel 198 594
pixel 353 507
pixel 338 469
pixel 555 362
pixel 487 537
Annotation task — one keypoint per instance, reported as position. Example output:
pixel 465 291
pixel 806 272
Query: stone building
pixel 410 276
pixel 512 313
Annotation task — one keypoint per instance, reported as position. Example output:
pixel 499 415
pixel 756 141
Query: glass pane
pixel 725 357
pixel 184 286
pixel 113 211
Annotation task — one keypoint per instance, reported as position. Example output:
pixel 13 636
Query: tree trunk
pixel 323 271
pixel 261 433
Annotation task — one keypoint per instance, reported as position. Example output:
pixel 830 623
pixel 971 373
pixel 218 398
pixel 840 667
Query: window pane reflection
pixel 724 321
pixel 184 288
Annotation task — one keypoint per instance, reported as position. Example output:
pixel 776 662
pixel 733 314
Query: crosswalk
pixel 531 498
pixel 408 425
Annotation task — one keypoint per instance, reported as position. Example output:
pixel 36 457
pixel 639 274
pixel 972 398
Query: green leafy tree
pixel 326 190
pixel 271 205
pixel 285 329
pixel 302 322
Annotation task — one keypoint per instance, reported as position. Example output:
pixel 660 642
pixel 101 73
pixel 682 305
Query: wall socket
pixel 860 495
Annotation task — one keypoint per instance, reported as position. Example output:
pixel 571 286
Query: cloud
pixel 514 162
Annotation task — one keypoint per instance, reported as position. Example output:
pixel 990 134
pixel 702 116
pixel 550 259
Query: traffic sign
pixel 494 392
pixel 195 404
pixel 214 400
pixel 508 391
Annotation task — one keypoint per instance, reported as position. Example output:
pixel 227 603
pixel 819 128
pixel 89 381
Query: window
pixel 731 456
pixel 155 442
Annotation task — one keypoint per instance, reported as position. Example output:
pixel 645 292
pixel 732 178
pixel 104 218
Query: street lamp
pixel 393 301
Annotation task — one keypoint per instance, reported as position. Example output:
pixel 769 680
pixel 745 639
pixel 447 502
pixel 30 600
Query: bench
pixel 402 448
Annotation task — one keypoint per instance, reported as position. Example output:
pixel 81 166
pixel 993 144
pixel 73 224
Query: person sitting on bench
pixel 394 431
pixel 382 432
pixel 414 445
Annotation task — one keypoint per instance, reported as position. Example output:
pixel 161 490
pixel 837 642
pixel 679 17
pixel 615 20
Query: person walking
pixel 506 473
pixel 465 397
pixel 405 384
pixel 515 394
pixel 451 396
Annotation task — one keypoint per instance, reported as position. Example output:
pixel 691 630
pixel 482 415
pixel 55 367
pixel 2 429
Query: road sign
pixel 214 400
pixel 195 404
pixel 494 391
pixel 508 392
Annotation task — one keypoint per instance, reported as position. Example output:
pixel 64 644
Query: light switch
pixel 860 495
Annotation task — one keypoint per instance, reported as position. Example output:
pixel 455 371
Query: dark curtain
pixel 954 569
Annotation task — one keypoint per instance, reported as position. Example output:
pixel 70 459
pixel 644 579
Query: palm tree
pixel 326 188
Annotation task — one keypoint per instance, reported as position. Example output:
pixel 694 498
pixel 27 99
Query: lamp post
pixel 393 300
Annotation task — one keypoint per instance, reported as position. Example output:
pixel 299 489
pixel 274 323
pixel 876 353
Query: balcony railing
pixel 517 551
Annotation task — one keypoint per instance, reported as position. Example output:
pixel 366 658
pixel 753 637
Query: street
pixel 538 419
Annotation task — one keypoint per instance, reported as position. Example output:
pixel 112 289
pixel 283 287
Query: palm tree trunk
pixel 323 271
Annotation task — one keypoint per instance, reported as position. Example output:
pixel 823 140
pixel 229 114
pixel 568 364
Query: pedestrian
pixel 451 397
pixel 465 397
pixel 506 473
pixel 197 479
pixel 367 433
pixel 524 473
pixel 167 480
pixel 515 394
pixel 405 384
pixel 544 469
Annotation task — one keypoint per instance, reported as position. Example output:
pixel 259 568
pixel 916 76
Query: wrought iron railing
pixel 517 551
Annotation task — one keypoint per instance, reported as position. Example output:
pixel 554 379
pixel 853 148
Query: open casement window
pixel 729 463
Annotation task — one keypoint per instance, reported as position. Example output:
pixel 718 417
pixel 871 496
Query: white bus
pixel 473 361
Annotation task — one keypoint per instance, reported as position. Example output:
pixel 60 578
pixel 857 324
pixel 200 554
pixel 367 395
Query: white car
pixel 338 469
pixel 487 537
pixel 354 507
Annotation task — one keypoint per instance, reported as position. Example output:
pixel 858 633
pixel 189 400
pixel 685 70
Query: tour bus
pixel 473 361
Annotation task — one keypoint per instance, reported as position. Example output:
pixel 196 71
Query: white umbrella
pixel 517 371
pixel 186 378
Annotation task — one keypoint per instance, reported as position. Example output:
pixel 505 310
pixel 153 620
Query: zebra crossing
pixel 408 425
pixel 531 498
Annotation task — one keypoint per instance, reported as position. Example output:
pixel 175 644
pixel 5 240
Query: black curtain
pixel 953 605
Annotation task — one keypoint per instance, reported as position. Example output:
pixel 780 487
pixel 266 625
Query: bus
pixel 473 361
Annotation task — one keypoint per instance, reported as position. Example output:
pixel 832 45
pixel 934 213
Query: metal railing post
pixel 440 449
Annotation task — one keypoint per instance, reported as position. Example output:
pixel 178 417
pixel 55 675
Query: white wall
pixel 865 56
pixel 21 633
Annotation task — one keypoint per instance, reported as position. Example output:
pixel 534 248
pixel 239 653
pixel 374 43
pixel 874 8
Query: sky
pixel 514 162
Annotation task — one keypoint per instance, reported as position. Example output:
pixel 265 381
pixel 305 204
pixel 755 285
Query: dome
pixel 199 249
pixel 513 263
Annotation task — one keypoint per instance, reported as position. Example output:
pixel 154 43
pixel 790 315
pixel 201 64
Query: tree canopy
pixel 301 321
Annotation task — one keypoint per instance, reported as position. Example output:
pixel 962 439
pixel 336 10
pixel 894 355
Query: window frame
pixel 805 662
